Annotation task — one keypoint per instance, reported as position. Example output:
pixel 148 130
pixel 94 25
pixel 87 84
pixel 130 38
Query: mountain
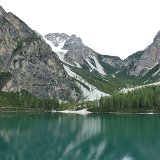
pixel 87 67
pixel 151 57
pixel 106 73
pixel 146 62
pixel 94 73
pixel 62 66
pixel 28 62
pixel 71 49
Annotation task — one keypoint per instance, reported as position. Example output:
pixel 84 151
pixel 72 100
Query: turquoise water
pixel 74 137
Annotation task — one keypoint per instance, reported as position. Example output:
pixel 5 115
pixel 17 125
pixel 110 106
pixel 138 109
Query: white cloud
pixel 115 27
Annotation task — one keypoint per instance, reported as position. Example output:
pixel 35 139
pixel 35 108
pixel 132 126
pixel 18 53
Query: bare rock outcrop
pixel 32 63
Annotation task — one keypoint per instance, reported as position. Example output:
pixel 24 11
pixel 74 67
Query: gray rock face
pixel 141 62
pixel 137 64
pixel 73 42
pixel 78 54
pixel 148 59
pixel 2 11
pixel 57 38
pixel 113 61
pixel 76 50
pixel 32 63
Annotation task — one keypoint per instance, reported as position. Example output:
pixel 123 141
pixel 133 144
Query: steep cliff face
pixel 32 63
pixel 113 61
pixel 78 61
pixel 71 49
pixel 146 60
pixel 143 65
pixel 75 51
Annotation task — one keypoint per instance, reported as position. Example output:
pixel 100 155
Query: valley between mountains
pixel 61 68
pixel 100 75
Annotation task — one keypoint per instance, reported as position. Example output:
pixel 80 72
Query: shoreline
pixel 127 113
pixel 80 112
pixel 86 112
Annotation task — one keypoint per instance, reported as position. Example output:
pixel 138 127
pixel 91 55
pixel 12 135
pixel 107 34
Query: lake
pixel 74 137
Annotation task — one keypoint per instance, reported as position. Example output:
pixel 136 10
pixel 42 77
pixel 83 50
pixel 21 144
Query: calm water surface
pixel 74 137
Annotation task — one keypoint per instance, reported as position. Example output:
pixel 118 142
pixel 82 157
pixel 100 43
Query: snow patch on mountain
pixel 58 48
pixel 154 84
pixel 91 65
pixel 61 54
pixel 77 65
pixel 125 90
pixel 93 94
pixel 98 67
pixel 76 51
pixel 70 73
pixel 154 74
pixel 59 51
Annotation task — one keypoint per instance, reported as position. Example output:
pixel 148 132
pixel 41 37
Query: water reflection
pixel 66 137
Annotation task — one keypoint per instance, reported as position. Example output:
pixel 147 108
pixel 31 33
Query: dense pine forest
pixel 140 100
pixel 24 101
pixel 145 99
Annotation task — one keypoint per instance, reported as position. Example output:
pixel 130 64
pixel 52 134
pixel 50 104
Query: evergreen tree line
pixel 24 100
pixel 145 99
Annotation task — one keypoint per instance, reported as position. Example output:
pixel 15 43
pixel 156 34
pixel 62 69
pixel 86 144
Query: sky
pixel 112 27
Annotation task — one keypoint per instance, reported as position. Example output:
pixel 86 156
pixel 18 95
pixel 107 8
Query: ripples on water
pixel 73 137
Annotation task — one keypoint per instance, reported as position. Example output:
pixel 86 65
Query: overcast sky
pixel 113 27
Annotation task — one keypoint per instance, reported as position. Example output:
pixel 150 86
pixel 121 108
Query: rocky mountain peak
pixel 72 41
pixel 57 38
pixel 18 24
pixel 142 62
pixel 157 37
pixel 74 52
pixel 31 62
pixel 2 11
pixel 63 40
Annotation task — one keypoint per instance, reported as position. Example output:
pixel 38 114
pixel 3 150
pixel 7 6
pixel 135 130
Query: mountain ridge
pixel 131 71
pixel 31 62
pixel 62 66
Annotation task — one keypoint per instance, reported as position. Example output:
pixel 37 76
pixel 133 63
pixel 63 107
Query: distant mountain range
pixel 66 68
pixel 71 49
pixel 103 72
